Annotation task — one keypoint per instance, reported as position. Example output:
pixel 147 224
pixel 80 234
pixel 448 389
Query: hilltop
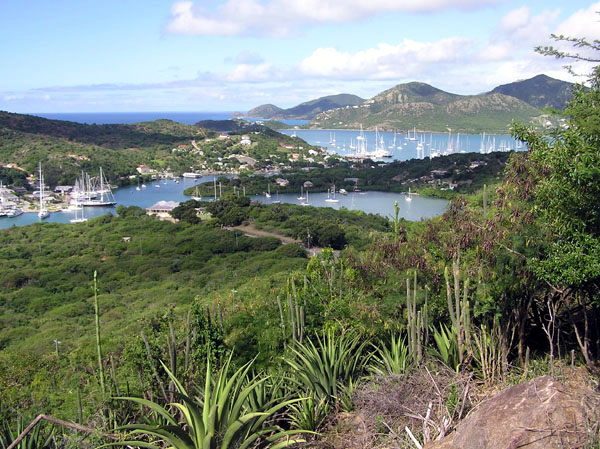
pixel 426 107
pixel 306 110
pixel 541 91
pixel 67 148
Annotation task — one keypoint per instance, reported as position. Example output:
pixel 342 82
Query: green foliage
pixel 221 416
pixel 310 413
pixel 446 346
pixel 393 359
pixel 320 368
pixel 41 437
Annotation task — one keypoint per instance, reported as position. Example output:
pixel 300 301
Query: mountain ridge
pixel 417 104
pixel 306 110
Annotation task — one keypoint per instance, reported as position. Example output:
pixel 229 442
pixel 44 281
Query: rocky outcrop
pixel 539 414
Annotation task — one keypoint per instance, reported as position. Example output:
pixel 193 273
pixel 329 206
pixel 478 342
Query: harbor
pixel 172 190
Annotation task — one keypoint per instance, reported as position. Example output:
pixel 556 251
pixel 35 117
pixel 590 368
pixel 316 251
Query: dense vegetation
pixel 423 106
pixel 66 148
pixel 247 343
pixel 466 172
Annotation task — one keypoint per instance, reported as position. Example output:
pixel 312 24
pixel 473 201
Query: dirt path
pixel 251 231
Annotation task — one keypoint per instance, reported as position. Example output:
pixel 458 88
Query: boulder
pixel 539 414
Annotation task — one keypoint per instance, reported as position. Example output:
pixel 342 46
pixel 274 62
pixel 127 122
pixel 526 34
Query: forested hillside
pixel 190 335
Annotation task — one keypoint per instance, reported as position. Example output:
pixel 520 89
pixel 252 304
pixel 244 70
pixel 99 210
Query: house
pixel 162 209
pixel 143 170
pixel 245 140
pixel 308 184
pixel 63 189
pixel 282 182
pixel 247 160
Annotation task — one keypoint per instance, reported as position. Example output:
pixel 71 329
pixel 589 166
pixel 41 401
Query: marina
pixel 387 146
pixel 370 202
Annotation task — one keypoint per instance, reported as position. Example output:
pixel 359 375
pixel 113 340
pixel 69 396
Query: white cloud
pixel 251 73
pixel 583 23
pixel 498 51
pixel 520 25
pixel 407 59
pixel 282 17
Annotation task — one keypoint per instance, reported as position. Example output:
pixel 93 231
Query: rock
pixel 539 414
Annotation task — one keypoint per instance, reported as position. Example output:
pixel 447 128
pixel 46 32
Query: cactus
pixel 485 198
pixel 98 346
pixel 396 211
pixel 417 321
pixel 459 309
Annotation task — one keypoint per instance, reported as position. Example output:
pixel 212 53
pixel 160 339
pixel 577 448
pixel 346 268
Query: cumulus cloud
pixel 583 23
pixel 252 73
pixel 282 17
pixel 385 61
pixel 519 24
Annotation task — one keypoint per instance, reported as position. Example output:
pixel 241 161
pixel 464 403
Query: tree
pixel 566 199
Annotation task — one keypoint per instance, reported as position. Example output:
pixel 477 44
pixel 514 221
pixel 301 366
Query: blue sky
pixel 232 55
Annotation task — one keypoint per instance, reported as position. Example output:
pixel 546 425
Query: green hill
pixel 541 91
pixel 306 110
pixel 427 108
pixel 264 111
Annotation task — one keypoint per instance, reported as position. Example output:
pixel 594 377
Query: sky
pixel 233 55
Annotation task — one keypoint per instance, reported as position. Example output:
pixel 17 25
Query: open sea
pixel 125 118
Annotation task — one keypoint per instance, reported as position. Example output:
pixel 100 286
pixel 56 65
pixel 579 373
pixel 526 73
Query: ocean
pixel 124 118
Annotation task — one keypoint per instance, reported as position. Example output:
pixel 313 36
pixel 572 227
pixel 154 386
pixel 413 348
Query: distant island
pixel 428 108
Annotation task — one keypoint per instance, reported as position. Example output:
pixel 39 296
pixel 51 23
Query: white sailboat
pixel 393 144
pixel 106 197
pixel 331 199
pixel 77 219
pixel 43 212
pixel 301 197
pixel 414 136
pixel 268 194
pixel 409 196
pixel 306 203
pixel 196 197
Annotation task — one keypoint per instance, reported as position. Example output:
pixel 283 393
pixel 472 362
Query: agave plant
pixel 393 359
pixel 331 362
pixel 446 341
pixel 221 417
pixel 36 439
pixel 310 413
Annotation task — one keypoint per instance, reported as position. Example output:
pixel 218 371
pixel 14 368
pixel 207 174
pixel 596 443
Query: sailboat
pixel 306 203
pixel 409 196
pixel 268 194
pixel 380 151
pixel 105 192
pixel 414 136
pixel 196 197
pixel 138 186
pixel 81 219
pixel 301 197
pixel 329 198
pixel 43 212
pixel 277 199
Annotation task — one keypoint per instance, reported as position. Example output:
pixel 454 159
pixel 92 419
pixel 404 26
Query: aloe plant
pixel 320 368
pixel 222 417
